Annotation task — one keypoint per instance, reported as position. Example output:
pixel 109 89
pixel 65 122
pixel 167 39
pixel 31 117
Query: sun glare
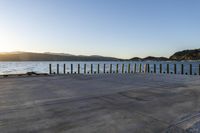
pixel 8 42
pixel 5 47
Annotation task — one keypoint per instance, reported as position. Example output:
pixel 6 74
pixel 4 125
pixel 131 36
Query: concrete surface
pixel 131 103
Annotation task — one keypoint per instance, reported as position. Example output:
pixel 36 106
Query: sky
pixel 117 28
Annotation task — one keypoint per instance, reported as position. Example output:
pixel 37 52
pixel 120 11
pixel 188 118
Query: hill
pixel 186 55
pixel 149 58
pixel 28 56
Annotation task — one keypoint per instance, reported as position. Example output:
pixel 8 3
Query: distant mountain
pixel 28 56
pixel 186 55
pixel 149 58
pixel 155 58
pixel 48 56
pixel 14 52
pixel 136 59
pixel 58 54
pixel 181 55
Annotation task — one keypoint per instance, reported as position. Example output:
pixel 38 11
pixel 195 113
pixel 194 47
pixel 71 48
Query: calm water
pixel 43 67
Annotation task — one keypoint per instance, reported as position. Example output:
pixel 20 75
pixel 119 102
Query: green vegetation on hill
pixel 149 58
pixel 186 55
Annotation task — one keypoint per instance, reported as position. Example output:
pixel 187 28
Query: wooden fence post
pixel 140 68
pixel 160 68
pixel 122 68
pixel 182 69
pixel 167 68
pixel 129 68
pixel 78 68
pixel 145 68
pixel 71 68
pixel 64 69
pixel 117 68
pixel 154 68
pixel 85 68
pixel 135 68
pixel 104 68
pixel 199 69
pixel 110 68
pixel 57 68
pixel 98 68
pixel 50 71
pixel 190 69
pixel 91 68
pixel 174 68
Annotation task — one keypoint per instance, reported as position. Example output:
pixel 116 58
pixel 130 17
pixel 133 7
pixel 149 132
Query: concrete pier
pixel 114 103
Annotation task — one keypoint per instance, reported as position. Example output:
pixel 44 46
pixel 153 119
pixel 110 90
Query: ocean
pixel 43 66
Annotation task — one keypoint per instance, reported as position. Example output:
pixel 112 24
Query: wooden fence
pixel 131 68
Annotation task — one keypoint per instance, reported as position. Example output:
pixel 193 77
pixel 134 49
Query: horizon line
pixel 49 52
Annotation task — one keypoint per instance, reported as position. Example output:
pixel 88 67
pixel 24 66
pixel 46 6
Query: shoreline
pixel 23 75
pixel 33 74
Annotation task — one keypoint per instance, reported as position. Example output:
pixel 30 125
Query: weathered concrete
pixel 131 103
